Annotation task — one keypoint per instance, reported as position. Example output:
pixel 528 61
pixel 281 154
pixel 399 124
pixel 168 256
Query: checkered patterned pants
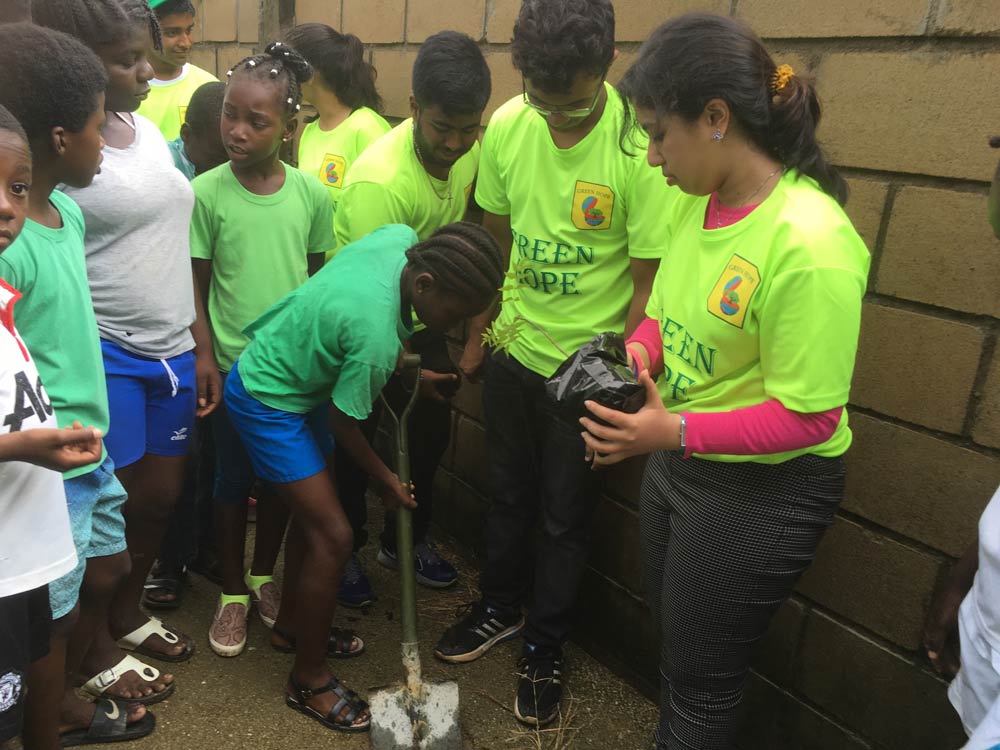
pixel 723 545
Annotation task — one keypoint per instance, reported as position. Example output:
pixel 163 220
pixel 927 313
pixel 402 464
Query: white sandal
pixel 97 686
pixel 154 626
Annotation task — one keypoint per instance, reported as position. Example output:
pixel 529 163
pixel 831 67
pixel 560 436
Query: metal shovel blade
pixel 430 722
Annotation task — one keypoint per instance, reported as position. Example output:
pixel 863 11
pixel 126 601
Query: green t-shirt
pixel 56 318
pixel 389 185
pixel 168 100
pixel 769 307
pixel 337 336
pixel 577 216
pixel 258 246
pixel 329 154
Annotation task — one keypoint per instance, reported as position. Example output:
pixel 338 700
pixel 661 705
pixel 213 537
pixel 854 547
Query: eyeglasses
pixel 572 114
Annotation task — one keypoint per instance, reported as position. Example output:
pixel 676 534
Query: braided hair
pixel 97 23
pixel 463 258
pixel 278 63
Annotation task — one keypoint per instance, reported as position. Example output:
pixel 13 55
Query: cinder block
pixel 775 719
pixel 940 250
pixel 219 17
pixel 920 486
pixel 319 11
pixel 505 78
pixel 395 74
pixel 634 19
pixel 425 17
pixel 896 110
pixel 873 581
pixel 203 55
pixel 448 459
pixel 375 20
pixel 986 430
pixel 615 548
pixel 469 400
pixel 807 18
pixel 610 621
pixel 916 367
pixel 229 55
pixel 248 21
pixel 884 697
pixel 500 17
pixel 865 206
pixel 623 481
pixel 776 651
pixel 968 17
pixel 470 454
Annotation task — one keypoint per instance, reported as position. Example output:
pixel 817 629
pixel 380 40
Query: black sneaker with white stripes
pixel 480 628
pixel 539 688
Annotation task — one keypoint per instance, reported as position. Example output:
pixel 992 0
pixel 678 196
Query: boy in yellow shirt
pixel 419 174
pixel 176 79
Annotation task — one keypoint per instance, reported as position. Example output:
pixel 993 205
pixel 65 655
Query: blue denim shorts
pixel 151 402
pixel 95 517
pixel 283 446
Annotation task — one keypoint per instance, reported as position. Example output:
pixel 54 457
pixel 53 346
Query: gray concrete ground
pixel 225 704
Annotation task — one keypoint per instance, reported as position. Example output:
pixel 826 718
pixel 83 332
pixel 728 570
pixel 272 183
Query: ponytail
pixel 795 115
pixel 692 59
pixel 340 61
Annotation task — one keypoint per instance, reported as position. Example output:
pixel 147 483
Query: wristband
pixel 683 446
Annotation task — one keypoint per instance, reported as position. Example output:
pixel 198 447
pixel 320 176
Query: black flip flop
pixel 110 724
pixel 169 580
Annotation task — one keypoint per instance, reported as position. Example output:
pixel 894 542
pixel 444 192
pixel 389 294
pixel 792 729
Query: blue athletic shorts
pixel 152 403
pixel 95 502
pixel 283 446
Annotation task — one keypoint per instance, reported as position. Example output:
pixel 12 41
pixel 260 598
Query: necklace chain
pixel 718 204
pixel 430 177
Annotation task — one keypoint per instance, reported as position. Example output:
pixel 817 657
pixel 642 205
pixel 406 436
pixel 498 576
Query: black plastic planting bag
pixel 598 372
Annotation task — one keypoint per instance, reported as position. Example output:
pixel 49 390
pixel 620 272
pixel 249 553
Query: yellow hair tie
pixel 782 75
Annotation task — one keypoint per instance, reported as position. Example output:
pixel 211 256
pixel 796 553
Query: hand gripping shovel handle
pixel 404 525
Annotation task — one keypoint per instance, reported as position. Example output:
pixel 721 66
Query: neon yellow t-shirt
pixel 577 216
pixel 168 100
pixel 329 154
pixel 258 246
pixel 389 185
pixel 769 307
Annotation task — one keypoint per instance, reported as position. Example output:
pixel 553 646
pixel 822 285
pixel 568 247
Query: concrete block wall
pixel 911 90
pixel 226 31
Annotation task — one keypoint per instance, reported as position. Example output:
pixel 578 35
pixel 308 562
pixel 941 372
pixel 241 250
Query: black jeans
pixel 430 434
pixel 536 466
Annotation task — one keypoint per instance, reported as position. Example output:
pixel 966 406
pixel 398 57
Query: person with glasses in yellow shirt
pixel 574 204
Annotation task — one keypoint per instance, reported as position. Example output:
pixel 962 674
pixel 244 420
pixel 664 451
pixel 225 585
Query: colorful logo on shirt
pixel 731 295
pixel 331 173
pixel 593 205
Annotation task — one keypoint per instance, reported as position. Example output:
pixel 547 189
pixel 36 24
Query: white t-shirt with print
pixel 36 546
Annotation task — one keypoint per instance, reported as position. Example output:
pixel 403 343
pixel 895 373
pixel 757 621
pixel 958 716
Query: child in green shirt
pixel 337 339
pixel 259 230
pixel 56 87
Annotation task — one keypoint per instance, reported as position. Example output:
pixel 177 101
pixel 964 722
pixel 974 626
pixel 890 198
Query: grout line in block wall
pixel 959 441
pixel 979 383
pixel 988 323
pixel 931 19
pixel 915 179
pixel 873 527
pixel 883 230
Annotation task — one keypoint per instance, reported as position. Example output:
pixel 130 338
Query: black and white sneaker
pixel 480 628
pixel 539 689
